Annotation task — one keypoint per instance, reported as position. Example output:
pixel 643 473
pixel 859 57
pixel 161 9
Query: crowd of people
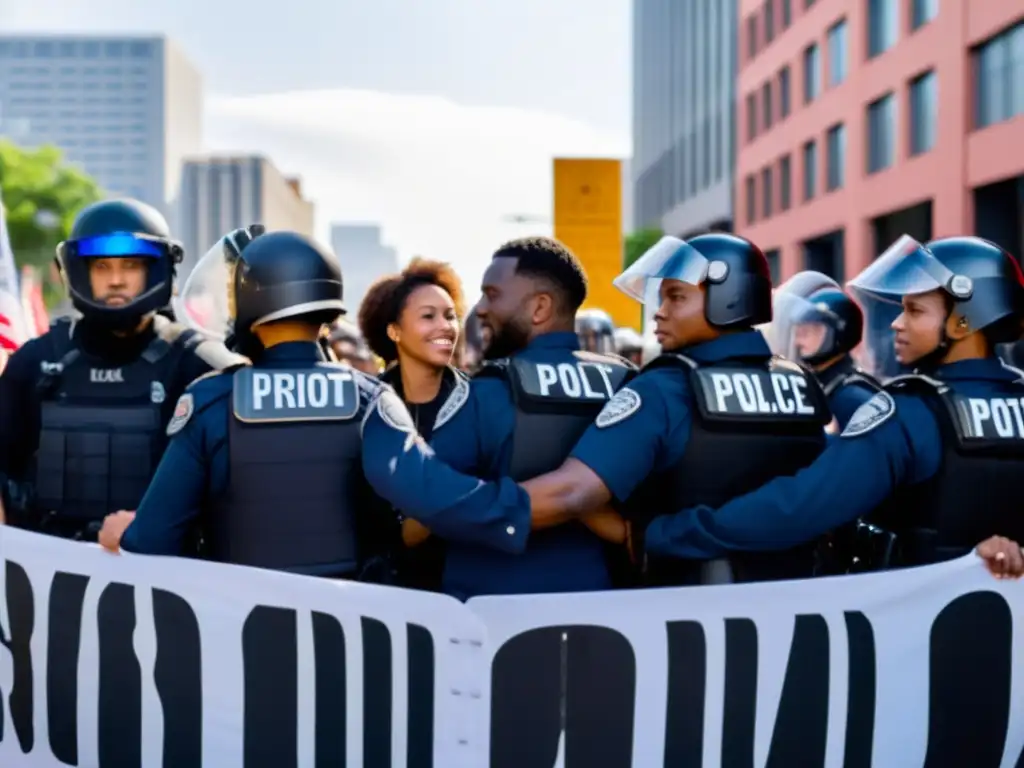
pixel 524 445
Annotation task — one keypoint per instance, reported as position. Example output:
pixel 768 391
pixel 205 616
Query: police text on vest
pixel 291 389
pixel 106 376
pixel 745 393
pixel 1002 415
pixel 572 380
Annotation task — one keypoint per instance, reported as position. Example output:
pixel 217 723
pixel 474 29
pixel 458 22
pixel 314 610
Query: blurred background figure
pixel 596 331
pixel 349 347
pixel 630 345
pixel 470 351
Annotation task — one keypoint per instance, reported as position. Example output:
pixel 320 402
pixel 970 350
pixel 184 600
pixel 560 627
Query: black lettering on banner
pixel 270 663
pixel 740 693
pixel 580 679
pixel 21 613
pixel 178 675
pixel 119 705
pixel 63 647
pixel 861 691
pixel 420 729
pixel 330 686
pixel 687 689
pixel 970 682
pixel 377 681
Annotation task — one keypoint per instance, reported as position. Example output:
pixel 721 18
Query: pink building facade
pixel 860 119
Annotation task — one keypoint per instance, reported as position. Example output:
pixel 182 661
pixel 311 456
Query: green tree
pixel 636 243
pixel 41 195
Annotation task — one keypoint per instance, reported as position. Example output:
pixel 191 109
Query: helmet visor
pixel 668 259
pixel 205 303
pixel 908 268
pixel 800 328
pixel 81 259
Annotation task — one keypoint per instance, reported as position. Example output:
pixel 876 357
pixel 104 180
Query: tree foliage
pixel 636 243
pixel 42 195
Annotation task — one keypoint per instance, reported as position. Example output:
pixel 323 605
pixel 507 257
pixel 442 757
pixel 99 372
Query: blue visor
pixel 120 244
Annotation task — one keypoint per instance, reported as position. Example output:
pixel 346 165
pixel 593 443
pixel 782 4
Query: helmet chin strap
pixel 934 359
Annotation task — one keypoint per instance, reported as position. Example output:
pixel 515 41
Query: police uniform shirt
pixel 891 442
pixel 398 465
pixel 476 437
pixel 19 402
pixel 845 397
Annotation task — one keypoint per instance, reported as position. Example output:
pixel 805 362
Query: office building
pixel 861 120
pixel 220 194
pixel 364 258
pixel 684 85
pixel 127 109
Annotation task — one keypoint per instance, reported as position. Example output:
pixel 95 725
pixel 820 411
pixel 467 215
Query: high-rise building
pixel 862 120
pixel 684 86
pixel 221 194
pixel 127 109
pixel 364 258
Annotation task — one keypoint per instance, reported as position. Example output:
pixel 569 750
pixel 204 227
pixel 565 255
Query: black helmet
pixel 596 331
pixel 203 302
pixel 736 272
pixel 119 229
pixel 286 275
pixel 983 281
pixel 813 320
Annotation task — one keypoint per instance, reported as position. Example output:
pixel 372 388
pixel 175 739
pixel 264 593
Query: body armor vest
pixel 752 421
pixel 976 492
pixel 850 379
pixel 296 480
pixel 555 403
pixel 101 431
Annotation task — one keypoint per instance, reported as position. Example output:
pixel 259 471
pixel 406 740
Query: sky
pixel 437 119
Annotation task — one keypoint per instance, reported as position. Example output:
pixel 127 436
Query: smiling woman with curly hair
pixel 411 321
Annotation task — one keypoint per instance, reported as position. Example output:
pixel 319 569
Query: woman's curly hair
pixel 387 297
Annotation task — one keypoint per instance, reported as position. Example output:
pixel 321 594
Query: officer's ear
pixel 543 308
pixel 393 333
pixel 958 328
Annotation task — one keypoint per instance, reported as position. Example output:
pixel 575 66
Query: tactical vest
pixel 296 480
pixel 555 403
pixel 752 421
pixel 976 493
pixel 101 433
pixel 853 378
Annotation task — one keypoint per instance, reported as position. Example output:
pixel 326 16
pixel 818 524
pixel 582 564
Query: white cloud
pixel 438 176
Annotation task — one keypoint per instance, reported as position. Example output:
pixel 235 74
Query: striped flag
pixel 12 314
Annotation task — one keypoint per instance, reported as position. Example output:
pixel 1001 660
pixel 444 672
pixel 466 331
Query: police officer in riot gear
pixel 815 323
pixel 934 460
pixel 273 460
pixel 630 345
pixel 83 407
pixel 596 331
pixel 713 416
pixel 535 395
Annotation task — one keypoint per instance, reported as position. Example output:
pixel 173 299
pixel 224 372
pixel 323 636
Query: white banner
pixel 139 661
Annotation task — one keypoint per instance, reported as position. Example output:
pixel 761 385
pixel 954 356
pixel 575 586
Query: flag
pixel 12 315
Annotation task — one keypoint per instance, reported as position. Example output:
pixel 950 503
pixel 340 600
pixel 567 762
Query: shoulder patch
pixel 458 398
pixel 875 412
pixel 624 404
pixel 182 413
pixel 393 412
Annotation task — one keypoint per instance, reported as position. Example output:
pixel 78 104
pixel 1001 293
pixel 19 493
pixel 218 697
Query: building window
pixel 785 183
pixel 883 25
pixel 784 93
pixel 769 21
pixel 881 133
pixel 751 199
pixel 923 11
pixel 999 78
pixel 837 56
pixel 751 116
pixel 810 170
pixel 812 73
pixel 787 13
pixel 924 112
pixel 766 105
pixel 766 192
pixel 752 37
pixel 809 3
pixel 836 160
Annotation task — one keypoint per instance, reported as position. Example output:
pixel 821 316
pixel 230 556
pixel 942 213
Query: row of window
pixel 48 71
pixel 883 22
pixel 73 49
pixel 923 124
pixel 999 78
pixel 109 85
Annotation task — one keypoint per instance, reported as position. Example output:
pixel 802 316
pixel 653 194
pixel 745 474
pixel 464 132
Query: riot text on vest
pixel 290 389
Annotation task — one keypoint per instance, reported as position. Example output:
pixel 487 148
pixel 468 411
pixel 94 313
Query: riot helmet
pixel 203 302
pixel 733 269
pixel 629 344
pixel 596 331
pixel 813 320
pixel 125 230
pixel 982 285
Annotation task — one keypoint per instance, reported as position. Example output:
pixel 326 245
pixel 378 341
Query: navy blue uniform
pixel 398 465
pixel 475 436
pixel 846 390
pixel 893 443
